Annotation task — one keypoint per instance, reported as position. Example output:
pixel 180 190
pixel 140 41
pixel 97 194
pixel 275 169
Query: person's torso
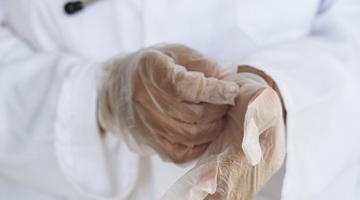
pixel 227 30
pixel 222 29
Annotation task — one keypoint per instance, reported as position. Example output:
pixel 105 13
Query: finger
pixel 201 133
pixel 202 113
pixel 153 122
pixel 195 88
pixel 187 134
pixel 192 60
pixel 180 153
pixel 159 71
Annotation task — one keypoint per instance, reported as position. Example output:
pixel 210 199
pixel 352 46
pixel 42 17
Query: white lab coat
pixel 50 147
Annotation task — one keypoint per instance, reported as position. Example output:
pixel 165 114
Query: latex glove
pixel 250 150
pixel 160 98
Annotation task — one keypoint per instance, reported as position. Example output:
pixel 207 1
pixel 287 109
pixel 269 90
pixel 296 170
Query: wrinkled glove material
pixel 166 99
pixel 245 156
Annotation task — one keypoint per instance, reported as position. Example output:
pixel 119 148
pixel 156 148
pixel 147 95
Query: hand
pixel 168 98
pixel 248 152
pixel 243 171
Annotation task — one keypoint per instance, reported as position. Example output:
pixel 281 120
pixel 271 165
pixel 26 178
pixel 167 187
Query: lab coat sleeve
pixel 318 76
pixel 49 137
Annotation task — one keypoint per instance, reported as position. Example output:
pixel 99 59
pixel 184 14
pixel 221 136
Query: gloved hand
pixel 245 156
pixel 167 98
pixel 244 170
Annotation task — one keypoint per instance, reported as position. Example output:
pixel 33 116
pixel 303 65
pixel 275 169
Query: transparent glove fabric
pixel 165 98
pixel 245 156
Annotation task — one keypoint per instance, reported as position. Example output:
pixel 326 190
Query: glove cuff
pixel 268 79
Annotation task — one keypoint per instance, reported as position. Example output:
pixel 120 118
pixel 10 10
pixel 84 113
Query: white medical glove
pixel 245 156
pixel 167 98
pixel 256 120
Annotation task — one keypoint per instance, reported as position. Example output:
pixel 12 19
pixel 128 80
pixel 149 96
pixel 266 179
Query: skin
pixel 178 101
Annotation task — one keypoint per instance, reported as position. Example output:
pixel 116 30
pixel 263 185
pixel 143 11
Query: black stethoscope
pixel 75 6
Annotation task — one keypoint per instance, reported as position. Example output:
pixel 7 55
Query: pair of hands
pixel 169 98
pixel 176 101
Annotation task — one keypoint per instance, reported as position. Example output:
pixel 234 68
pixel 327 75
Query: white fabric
pixel 310 47
pixel 78 142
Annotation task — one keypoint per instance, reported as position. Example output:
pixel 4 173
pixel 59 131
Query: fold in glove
pixel 245 156
pixel 165 98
